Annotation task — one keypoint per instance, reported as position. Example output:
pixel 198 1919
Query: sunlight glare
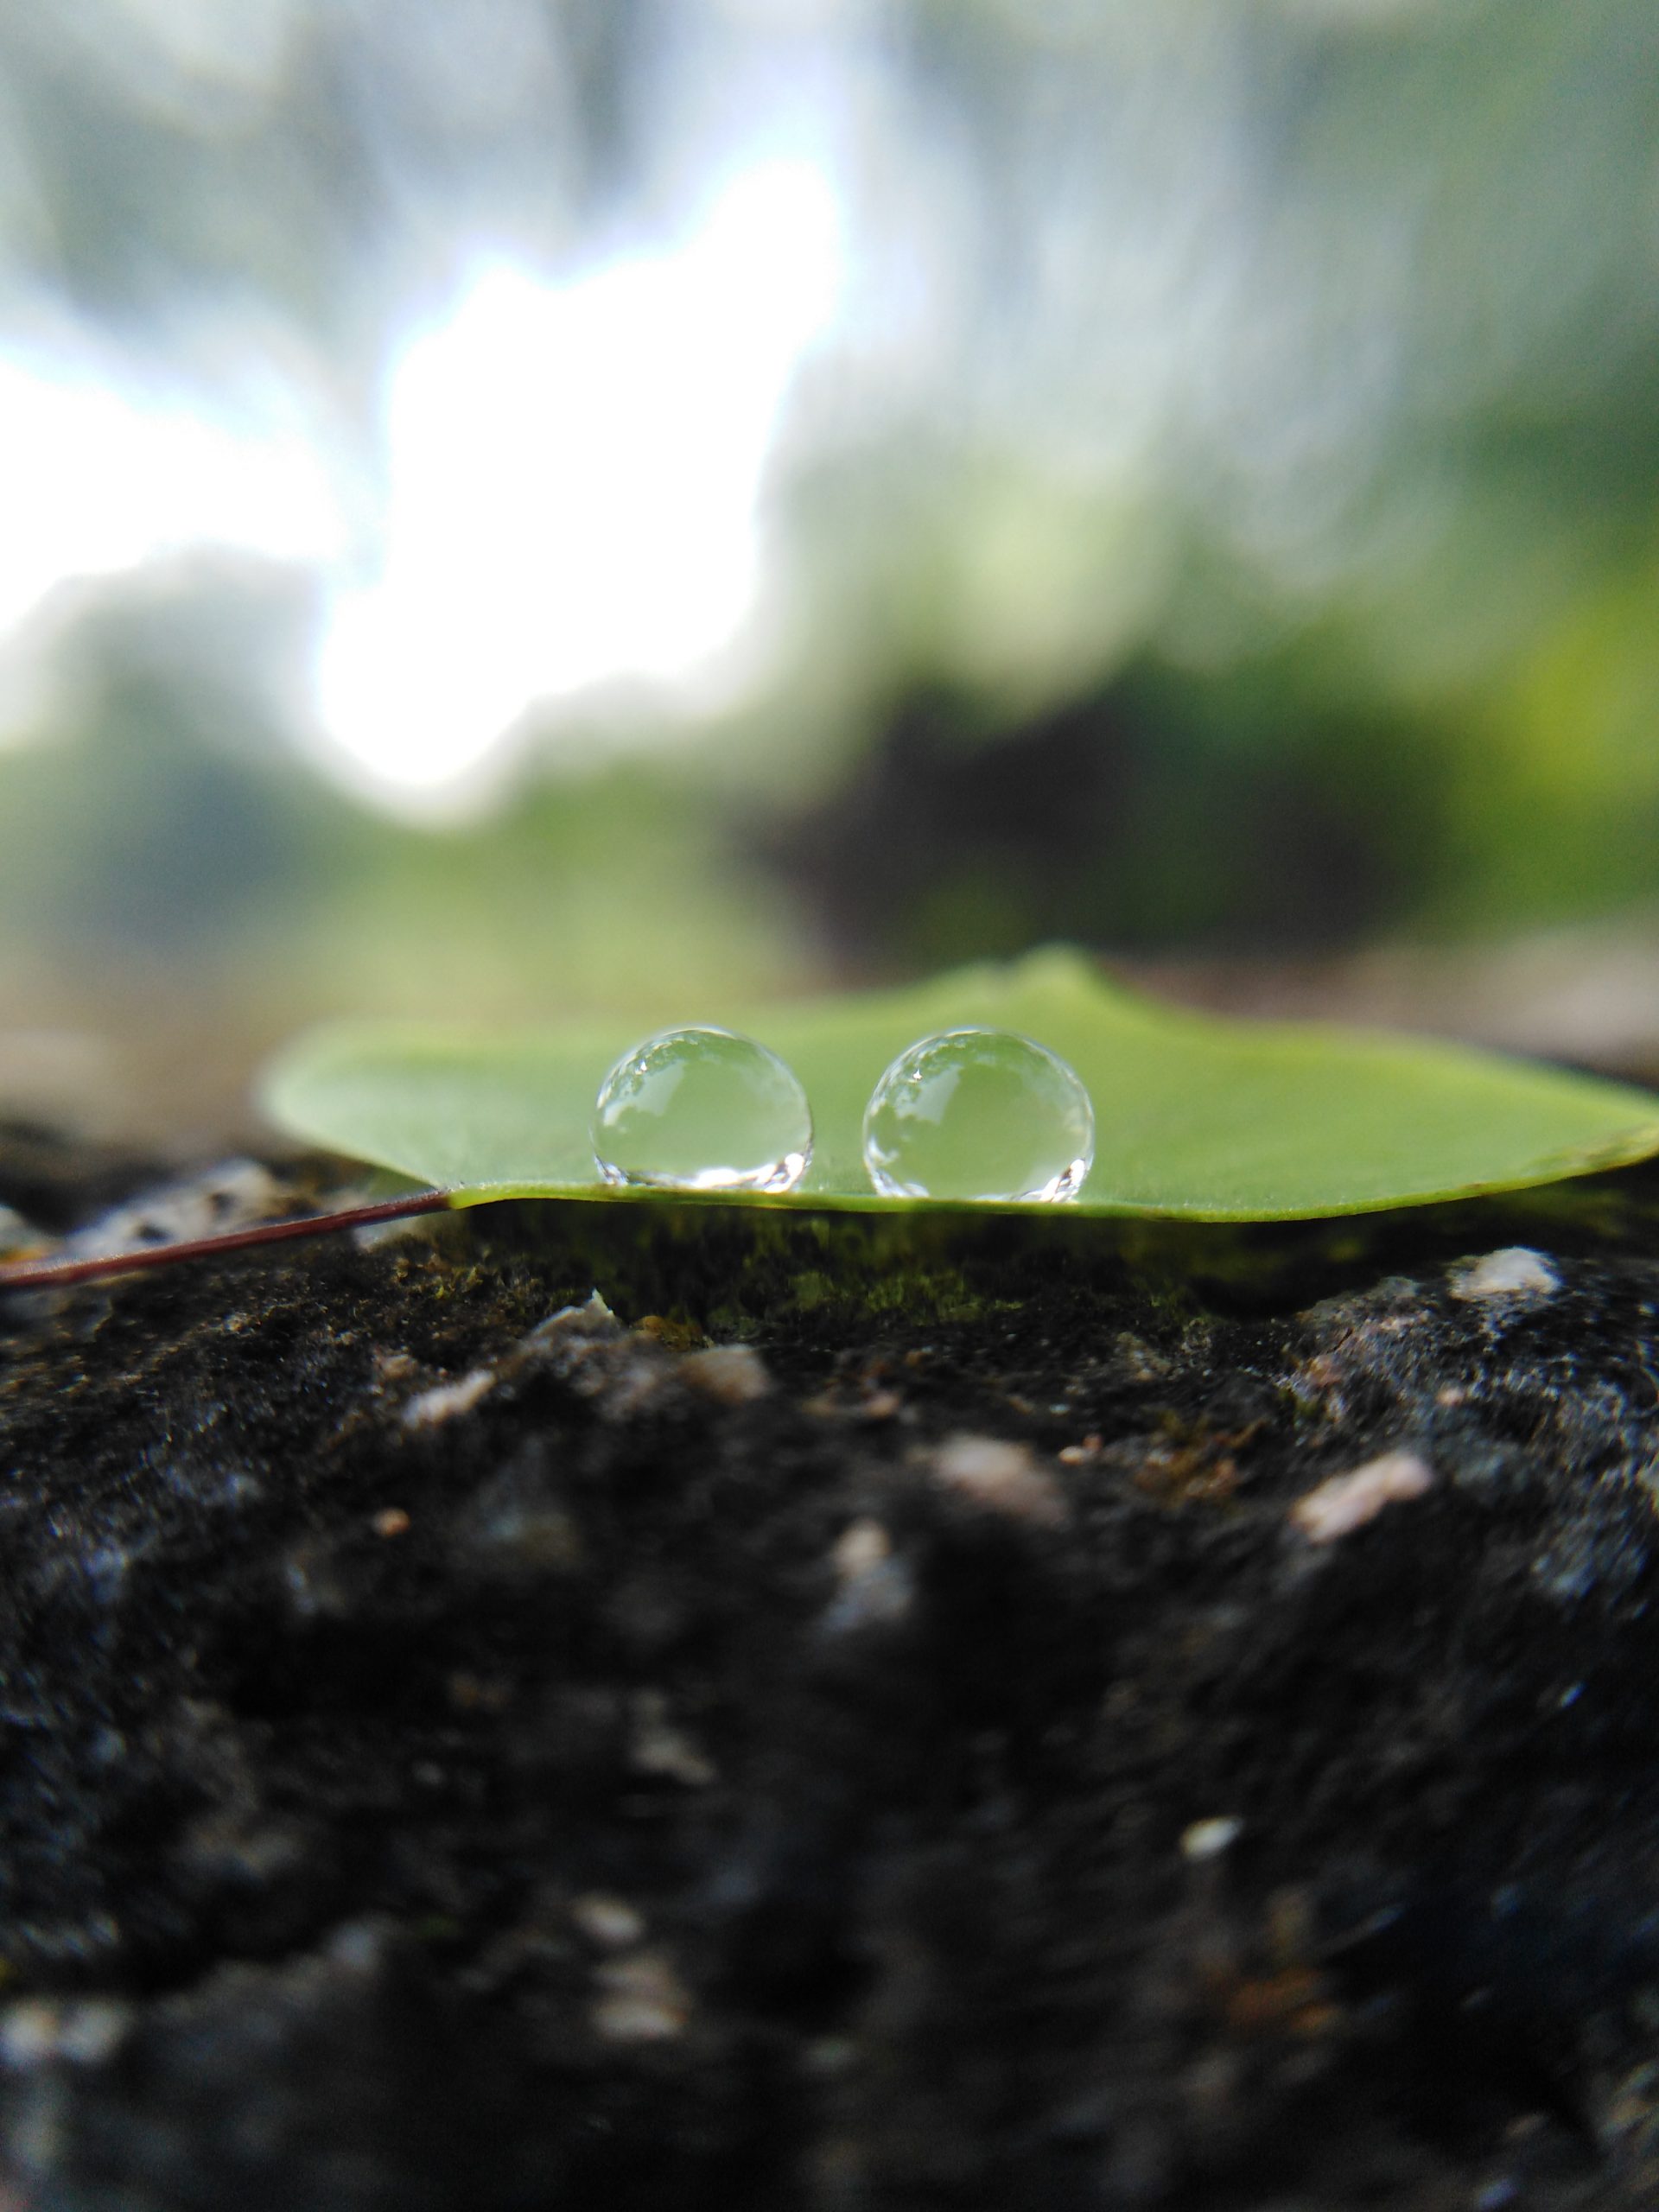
pixel 574 475
pixel 97 480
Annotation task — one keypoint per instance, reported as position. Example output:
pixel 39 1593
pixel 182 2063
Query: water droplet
pixel 978 1114
pixel 702 1109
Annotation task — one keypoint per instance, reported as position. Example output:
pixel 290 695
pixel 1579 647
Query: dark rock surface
pixel 467 1746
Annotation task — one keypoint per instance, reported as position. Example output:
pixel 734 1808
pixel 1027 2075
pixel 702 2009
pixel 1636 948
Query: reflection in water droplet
pixel 702 1109
pixel 978 1114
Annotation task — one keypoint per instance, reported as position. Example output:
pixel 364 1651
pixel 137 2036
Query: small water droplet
pixel 702 1109
pixel 979 1114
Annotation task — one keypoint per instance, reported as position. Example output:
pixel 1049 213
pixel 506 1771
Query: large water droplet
pixel 978 1114
pixel 702 1109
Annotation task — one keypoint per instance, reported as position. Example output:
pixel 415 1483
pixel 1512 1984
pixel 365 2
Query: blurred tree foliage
pixel 1228 516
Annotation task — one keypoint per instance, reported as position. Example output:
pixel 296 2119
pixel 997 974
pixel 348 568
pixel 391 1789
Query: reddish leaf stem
pixel 52 1275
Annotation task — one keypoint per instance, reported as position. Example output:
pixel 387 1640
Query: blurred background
pixel 513 506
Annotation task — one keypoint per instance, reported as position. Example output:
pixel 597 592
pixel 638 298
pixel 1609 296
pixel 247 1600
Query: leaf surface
pixel 1197 1118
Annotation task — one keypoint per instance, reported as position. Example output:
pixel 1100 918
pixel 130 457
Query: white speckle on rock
pixel 1496 2194
pixel 861 1546
pixel 731 1374
pixel 30 2033
pixel 1208 1838
pixel 1516 1271
pixel 643 1999
pixel 312 1581
pixel 525 1533
pixel 609 1921
pixel 37 2029
pixel 430 1407
pixel 1345 1502
pixel 660 1747
pixel 1002 1477
pixel 881 1598
pixel 593 1318
pixel 876 1589
pixel 359 1946
pixel 235 1194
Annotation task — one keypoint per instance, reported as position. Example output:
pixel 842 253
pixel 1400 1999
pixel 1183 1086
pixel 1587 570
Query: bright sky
pixel 572 476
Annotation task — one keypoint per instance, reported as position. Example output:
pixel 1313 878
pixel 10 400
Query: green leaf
pixel 1198 1118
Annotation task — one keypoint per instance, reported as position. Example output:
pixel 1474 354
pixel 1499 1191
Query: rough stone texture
pixel 462 1747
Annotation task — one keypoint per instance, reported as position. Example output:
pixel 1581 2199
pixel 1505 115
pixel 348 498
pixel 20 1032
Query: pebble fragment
pixel 731 1374
pixel 1345 1502
pixel 877 1590
pixel 1516 1271
pixel 1002 1477
pixel 610 1922
pixel 621 1371
pixel 428 1408
pixel 861 1546
pixel 643 1999
pixel 1208 1838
